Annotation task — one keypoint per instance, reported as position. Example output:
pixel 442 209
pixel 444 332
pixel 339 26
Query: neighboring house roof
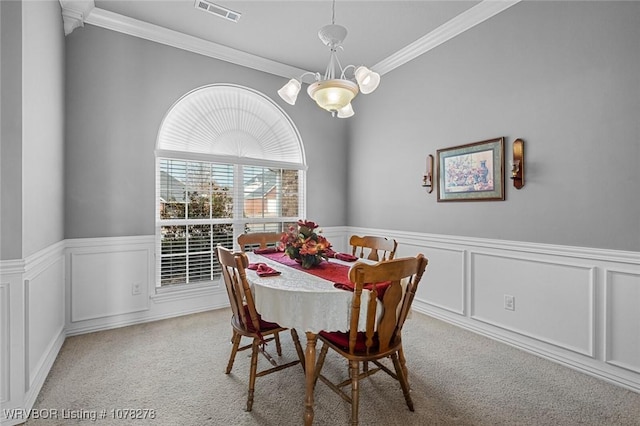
pixel 171 189
pixel 260 185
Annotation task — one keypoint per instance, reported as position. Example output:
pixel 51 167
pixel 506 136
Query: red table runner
pixel 335 272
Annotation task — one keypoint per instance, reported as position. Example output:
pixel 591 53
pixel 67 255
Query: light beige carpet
pixel 176 368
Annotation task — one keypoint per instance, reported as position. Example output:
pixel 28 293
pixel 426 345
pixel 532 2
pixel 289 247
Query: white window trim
pixel 238 222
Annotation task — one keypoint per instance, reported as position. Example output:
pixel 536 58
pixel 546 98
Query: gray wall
pixel 563 76
pixel 32 191
pixel 43 125
pixel 11 128
pixel 119 89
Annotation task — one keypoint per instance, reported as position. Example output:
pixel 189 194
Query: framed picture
pixel 472 172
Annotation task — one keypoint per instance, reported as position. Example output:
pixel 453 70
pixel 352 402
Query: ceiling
pixel 286 31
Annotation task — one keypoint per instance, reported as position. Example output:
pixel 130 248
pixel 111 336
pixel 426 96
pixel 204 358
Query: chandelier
pixel 333 91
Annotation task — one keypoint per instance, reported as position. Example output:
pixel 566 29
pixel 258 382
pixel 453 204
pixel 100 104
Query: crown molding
pixel 72 19
pixel 134 27
pixel 457 25
pixel 73 13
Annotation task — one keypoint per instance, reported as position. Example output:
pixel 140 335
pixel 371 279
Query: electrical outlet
pixel 136 288
pixel 509 302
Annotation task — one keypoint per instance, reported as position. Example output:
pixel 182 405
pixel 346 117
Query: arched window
pixel 228 160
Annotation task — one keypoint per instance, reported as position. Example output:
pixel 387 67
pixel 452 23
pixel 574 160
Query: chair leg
pixel 403 364
pixel 252 372
pixel 296 343
pixel 235 340
pixel 355 392
pixel 403 381
pixel 278 347
pixel 320 363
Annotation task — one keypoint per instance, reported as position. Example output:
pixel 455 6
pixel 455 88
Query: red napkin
pixel 266 271
pixel 254 266
pixel 346 257
pixel 330 253
pixel 265 250
pixel 381 287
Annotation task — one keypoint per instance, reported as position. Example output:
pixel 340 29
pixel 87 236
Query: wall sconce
pixel 517 165
pixel 427 179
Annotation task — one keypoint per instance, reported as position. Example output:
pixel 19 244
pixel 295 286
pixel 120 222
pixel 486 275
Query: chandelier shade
pixel 346 111
pixel 333 92
pixel 289 92
pixel 367 79
pixel 333 95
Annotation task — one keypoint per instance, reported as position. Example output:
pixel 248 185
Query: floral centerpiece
pixel 304 244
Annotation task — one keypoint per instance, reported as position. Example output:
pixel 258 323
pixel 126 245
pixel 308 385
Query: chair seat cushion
pixel 264 325
pixel 341 340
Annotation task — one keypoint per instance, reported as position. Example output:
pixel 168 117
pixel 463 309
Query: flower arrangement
pixel 305 244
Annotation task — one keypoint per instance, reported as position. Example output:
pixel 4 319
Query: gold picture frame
pixel 472 172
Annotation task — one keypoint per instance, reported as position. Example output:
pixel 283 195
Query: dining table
pixel 309 301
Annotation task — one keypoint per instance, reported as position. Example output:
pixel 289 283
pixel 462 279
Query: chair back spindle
pixel 260 239
pixel 379 248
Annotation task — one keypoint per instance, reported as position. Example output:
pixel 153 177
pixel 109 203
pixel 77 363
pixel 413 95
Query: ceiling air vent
pixel 217 10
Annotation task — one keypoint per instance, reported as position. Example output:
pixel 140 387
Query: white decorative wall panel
pixel 102 283
pixel 623 319
pixel 339 239
pixel 554 301
pixel 5 317
pixel 443 283
pixel 45 314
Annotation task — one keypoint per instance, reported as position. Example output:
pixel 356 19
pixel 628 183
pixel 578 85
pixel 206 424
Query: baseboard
pixel 109 325
pixel 518 342
pixel 43 370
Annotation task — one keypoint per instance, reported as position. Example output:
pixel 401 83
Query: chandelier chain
pixel 333 12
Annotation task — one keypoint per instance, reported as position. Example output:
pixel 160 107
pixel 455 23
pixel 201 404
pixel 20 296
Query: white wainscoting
pixel 104 275
pixel 5 348
pixel 562 291
pixel 32 327
pixel 45 326
pixel 573 305
pixel 110 282
pixel 622 318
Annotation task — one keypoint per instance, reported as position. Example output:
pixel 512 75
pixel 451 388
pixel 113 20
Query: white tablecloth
pixel 300 300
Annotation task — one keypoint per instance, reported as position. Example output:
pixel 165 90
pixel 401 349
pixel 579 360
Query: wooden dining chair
pixel 382 337
pixel 246 321
pixel 380 248
pixel 257 241
pixel 262 240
